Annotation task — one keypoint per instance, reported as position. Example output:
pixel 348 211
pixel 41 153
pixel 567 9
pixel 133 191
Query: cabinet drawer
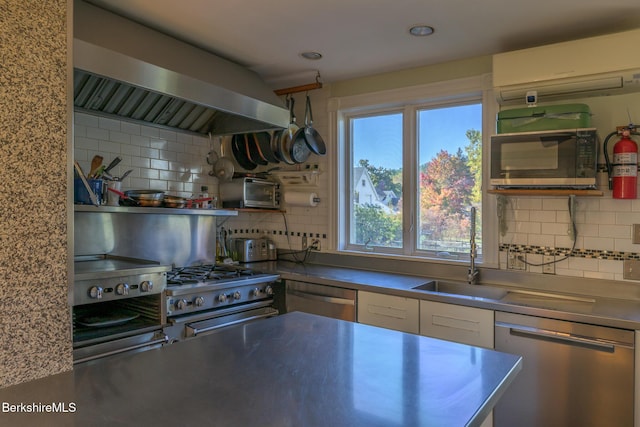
pixel 466 325
pixel 388 311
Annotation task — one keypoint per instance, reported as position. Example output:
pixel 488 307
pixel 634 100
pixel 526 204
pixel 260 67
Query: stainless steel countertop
pixel 618 313
pixel 92 267
pixel 292 370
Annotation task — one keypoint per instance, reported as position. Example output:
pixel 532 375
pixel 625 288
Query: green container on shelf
pixel 551 117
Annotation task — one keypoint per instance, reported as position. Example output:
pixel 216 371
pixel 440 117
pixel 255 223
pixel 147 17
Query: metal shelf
pixel 303 178
pixel 546 192
pixel 164 211
pixel 258 210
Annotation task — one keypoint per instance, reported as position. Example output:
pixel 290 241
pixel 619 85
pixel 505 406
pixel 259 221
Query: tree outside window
pixel 449 177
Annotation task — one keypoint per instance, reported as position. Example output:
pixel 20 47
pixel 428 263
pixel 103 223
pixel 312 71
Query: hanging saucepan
pixel 311 136
pixel 287 135
pixel 239 152
pixel 251 148
pixel 275 145
pixel 297 147
pixel 299 150
pixel 263 142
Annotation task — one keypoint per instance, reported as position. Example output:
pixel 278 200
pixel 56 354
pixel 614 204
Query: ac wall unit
pixel 601 65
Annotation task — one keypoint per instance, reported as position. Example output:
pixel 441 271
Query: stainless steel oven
pixel 117 306
pixel 202 299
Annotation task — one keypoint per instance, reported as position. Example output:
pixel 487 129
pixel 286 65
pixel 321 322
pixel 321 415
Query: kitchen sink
pixel 464 289
pixel 534 298
pixel 515 296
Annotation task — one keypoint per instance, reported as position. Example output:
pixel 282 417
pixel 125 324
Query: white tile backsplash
pixel 158 157
pixel 175 162
pixel 614 231
pixel 603 223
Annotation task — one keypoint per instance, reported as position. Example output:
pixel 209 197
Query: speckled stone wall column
pixel 35 333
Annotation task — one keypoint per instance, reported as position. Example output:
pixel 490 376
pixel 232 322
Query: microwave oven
pixel 250 192
pixel 545 159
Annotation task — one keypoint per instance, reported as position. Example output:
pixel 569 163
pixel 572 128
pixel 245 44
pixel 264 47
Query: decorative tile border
pixel 578 253
pixel 257 231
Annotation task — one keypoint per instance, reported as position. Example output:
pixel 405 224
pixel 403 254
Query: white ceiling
pixel 365 37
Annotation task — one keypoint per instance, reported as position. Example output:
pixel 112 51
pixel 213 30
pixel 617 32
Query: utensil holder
pixel 80 195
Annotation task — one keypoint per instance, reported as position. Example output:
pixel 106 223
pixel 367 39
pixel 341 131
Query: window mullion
pixel 409 179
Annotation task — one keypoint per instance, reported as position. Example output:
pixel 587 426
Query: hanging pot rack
pixel 303 88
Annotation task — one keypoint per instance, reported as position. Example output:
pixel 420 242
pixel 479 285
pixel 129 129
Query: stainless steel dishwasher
pixel 329 301
pixel 573 374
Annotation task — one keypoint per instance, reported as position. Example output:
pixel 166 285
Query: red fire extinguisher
pixel 623 173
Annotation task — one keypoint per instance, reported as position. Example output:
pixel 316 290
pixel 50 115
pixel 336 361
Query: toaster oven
pixel 252 250
pixel 250 192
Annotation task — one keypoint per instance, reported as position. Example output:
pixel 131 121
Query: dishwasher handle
pixel 323 298
pixel 560 337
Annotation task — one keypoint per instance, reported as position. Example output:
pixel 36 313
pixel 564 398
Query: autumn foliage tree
pixel 446 184
pixel 449 185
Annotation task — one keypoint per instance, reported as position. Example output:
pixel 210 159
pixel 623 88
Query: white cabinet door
pixel 388 311
pixel 466 325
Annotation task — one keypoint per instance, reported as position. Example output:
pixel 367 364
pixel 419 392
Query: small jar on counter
pixel 205 200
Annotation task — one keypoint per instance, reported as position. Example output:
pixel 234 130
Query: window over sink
pixel 411 170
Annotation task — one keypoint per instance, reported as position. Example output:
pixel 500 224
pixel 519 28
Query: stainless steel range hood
pixel 132 72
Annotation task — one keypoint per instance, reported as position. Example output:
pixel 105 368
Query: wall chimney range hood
pixel 139 74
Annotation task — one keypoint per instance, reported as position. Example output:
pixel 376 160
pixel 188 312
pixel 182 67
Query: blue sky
pixel 379 139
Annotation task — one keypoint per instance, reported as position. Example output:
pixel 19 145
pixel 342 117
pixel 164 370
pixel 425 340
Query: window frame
pixel 409 101
pixel 347 202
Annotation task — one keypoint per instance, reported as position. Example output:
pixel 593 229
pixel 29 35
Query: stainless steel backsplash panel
pixel 169 239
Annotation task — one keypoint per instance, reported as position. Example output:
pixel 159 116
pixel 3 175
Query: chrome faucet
pixel 474 273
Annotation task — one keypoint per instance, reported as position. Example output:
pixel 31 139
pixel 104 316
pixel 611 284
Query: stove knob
pixel 181 304
pixel 122 289
pixel 222 298
pixel 256 292
pixel 268 290
pixel 146 286
pixel 198 301
pixel 95 292
pixel 237 295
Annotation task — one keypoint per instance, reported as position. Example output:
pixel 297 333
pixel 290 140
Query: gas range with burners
pixel 205 298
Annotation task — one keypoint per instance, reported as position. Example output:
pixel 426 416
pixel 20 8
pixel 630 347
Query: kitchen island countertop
pixel 292 370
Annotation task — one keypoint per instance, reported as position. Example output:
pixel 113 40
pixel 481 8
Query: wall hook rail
pixel 303 88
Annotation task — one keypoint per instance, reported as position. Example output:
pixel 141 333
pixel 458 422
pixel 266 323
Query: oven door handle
pixel 323 298
pixel 162 340
pixel 195 331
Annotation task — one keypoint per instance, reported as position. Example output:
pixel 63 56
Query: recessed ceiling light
pixel 311 55
pixel 421 30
